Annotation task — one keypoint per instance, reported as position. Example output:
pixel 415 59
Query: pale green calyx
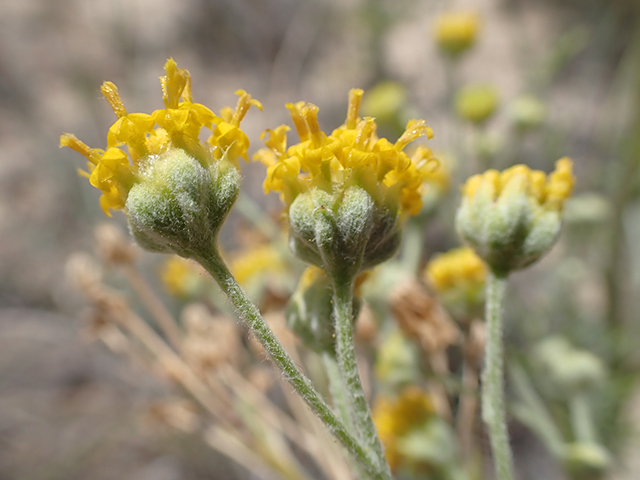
pixel 512 218
pixel 179 204
pixel 343 234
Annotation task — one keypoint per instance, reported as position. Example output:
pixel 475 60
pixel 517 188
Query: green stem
pixel 581 419
pixel 533 413
pixel 493 412
pixel 250 314
pixel 337 388
pixel 345 348
pixel 413 245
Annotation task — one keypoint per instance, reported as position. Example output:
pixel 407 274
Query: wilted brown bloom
pixel 175 412
pixel 210 341
pixel 421 317
pixel 113 247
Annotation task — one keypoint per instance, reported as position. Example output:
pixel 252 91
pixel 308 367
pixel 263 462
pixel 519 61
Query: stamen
pixel 295 109
pixel 110 92
pixel 365 131
pixel 173 84
pixel 415 129
pixel 71 141
pixel 187 94
pixel 355 97
pixel 310 114
pixel 244 103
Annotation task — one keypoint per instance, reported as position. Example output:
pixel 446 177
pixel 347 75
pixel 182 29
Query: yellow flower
pixel 549 193
pixel 456 32
pixel 255 262
pixel 476 103
pixel 352 155
pixel 512 218
pixel 394 418
pixel 457 268
pixel 182 278
pixel 150 137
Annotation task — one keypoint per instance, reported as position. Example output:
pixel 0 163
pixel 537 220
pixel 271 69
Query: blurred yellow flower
pixel 255 262
pixel 459 268
pixel 182 278
pixel 394 418
pixel 455 32
pixel 352 155
pixel 476 103
pixel 385 101
pixel 149 137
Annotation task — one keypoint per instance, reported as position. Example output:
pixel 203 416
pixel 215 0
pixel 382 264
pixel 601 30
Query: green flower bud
pixel 565 369
pixel 343 234
pixel 310 311
pixel 476 103
pixel 512 218
pixel 586 460
pixel 527 113
pixel 179 205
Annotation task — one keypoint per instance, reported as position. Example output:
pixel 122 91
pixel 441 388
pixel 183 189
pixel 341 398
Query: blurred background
pixel 563 77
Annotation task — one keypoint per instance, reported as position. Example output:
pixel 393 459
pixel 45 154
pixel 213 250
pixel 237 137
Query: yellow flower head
pixel 547 192
pixel 394 418
pixel 352 155
pixel 512 218
pixel 455 269
pixel 456 32
pixel 476 103
pixel 255 262
pixel 149 136
pixel 182 278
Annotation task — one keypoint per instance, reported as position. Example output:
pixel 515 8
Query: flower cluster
pixel 352 154
pixel 149 137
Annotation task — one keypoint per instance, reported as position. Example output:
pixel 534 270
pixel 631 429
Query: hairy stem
pixel 250 314
pixel 345 348
pixel 493 411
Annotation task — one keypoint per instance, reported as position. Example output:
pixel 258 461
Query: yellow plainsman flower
pixel 476 103
pixel 352 155
pixel 456 32
pixel 394 418
pixel 512 218
pixel 150 137
pixel 257 261
pixel 547 192
pixel 182 278
pixel 459 267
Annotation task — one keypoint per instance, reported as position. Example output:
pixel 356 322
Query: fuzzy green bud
pixel 586 460
pixel 179 204
pixel 512 218
pixel 527 113
pixel 565 369
pixel 342 233
pixel 476 103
